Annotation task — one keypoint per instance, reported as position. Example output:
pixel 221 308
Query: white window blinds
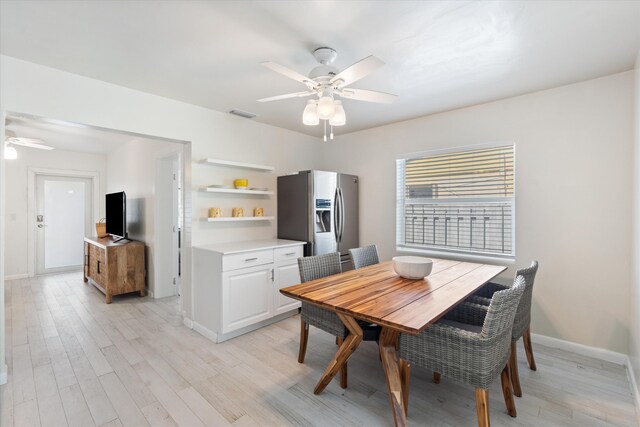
pixel 459 201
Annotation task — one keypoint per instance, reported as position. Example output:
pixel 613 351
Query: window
pixel 458 201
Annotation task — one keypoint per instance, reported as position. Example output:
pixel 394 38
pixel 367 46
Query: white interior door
pixel 63 218
pixel 166 228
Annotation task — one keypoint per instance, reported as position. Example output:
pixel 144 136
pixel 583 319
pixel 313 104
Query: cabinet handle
pixel 289 254
pixel 98 267
pixel 250 259
pixel 272 275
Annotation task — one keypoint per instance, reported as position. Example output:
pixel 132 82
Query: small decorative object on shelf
pixel 241 183
pixel 258 212
pixel 215 213
pixel 237 212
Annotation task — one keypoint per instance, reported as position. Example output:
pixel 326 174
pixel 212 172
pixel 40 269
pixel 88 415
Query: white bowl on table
pixel 412 267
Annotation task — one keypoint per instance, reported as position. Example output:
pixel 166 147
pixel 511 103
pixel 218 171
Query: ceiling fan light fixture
pixel 326 107
pixel 339 117
pixel 310 114
pixel 10 152
pixel 325 81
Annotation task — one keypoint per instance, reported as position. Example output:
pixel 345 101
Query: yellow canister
pixel 241 183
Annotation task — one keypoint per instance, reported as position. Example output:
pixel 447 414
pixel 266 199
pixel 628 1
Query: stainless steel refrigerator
pixel 320 208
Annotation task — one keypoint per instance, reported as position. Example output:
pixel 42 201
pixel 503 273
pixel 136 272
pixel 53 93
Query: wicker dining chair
pixel 474 352
pixel 364 256
pixel 521 323
pixel 311 268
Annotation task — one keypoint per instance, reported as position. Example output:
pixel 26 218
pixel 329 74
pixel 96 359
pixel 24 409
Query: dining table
pixel 377 294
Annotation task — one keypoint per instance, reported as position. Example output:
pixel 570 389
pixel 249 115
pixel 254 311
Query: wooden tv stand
pixel 114 268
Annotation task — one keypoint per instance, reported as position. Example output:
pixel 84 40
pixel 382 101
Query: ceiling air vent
pixel 241 113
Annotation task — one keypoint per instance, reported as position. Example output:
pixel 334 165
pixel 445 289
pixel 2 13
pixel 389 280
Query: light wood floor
pixel 73 360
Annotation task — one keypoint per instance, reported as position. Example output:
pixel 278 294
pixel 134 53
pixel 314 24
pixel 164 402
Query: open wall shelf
pixel 218 162
pixel 241 218
pixel 230 190
pixel 236 191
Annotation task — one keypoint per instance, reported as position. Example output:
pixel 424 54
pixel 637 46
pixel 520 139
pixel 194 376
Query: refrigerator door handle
pixel 341 214
pixel 336 210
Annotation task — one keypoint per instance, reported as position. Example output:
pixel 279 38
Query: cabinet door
pixel 86 260
pixel 93 262
pixel 285 275
pixel 246 297
pixel 100 266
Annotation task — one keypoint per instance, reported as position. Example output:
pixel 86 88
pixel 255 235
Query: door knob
pixel 41 225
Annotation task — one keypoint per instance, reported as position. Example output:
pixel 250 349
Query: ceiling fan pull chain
pixel 331 134
pixel 325 130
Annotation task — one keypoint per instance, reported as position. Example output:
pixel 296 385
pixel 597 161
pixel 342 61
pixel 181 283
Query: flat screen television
pixel 116 214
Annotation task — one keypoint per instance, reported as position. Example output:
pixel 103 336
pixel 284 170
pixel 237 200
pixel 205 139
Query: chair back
pixel 362 257
pixel 315 267
pixel 502 311
pixel 523 314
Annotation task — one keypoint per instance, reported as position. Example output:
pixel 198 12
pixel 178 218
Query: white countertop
pixel 247 246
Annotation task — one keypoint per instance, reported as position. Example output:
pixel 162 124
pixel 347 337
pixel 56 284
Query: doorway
pixel 83 138
pixel 168 225
pixel 61 209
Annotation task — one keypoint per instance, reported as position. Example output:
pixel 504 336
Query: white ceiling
pixel 439 55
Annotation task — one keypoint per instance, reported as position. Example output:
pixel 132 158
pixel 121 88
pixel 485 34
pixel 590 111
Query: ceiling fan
pixel 326 82
pixel 12 140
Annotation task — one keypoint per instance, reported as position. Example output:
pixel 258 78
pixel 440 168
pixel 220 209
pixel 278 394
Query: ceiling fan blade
pixel 286 96
pixel 288 72
pixel 358 70
pixel 29 142
pixel 367 95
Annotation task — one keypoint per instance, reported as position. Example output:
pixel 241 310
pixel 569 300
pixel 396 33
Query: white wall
pixel 3 365
pixel 573 209
pixel 131 168
pixel 634 345
pixel 17 222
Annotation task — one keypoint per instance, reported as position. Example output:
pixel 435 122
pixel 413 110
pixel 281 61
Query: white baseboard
pixel 3 374
pixel 596 353
pixel 634 387
pixel 202 330
pixel 16 276
pixel 585 350
pixel 187 322
pixel 220 337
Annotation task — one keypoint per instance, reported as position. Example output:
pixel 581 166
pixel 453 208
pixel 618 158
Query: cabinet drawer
pixel 246 259
pixel 289 253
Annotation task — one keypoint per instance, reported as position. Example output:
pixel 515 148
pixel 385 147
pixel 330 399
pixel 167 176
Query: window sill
pixel 458 257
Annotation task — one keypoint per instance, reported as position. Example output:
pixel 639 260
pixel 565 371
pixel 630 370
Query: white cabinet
pixel 236 286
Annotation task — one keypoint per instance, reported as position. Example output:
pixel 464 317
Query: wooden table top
pixel 377 294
